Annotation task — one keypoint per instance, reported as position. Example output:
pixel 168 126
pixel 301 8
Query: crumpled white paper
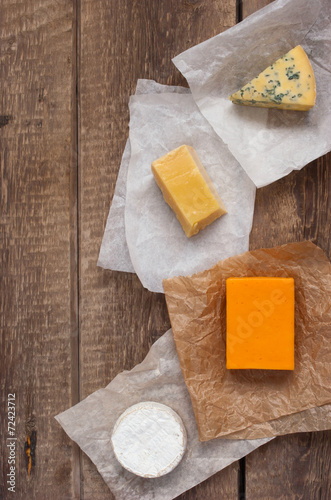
pixel 114 253
pixel 157 243
pixel 161 119
pixel 268 143
pixel 158 378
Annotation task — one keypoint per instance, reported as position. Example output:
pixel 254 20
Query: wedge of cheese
pixel 260 323
pixel 289 83
pixel 187 188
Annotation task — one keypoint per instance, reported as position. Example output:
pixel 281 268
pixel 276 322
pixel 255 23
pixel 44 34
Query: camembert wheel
pixel 149 439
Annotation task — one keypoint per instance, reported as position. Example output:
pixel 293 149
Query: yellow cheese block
pixel 260 323
pixel 289 83
pixel 187 188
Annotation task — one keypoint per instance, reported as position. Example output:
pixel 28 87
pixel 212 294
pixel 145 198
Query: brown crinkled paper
pixel 245 403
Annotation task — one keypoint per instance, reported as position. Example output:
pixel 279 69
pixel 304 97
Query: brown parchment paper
pixel 246 403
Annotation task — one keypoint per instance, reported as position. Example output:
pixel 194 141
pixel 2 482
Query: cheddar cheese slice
pixel 187 188
pixel 289 83
pixel 260 323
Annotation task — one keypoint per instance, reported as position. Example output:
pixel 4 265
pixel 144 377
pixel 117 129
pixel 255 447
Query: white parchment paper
pixel 268 143
pixel 157 243
pixel 158 378
pixel 114 252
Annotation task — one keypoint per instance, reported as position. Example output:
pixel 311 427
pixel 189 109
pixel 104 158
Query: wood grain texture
pixel 294 208
pixel 37 242
pixel 291 467
pixel 119 319
pixel 250 6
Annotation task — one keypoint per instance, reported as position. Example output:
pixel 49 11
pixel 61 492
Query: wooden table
pixel 67 68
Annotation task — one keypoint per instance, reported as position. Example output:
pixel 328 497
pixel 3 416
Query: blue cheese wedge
pixel 149 439
pixel 289 83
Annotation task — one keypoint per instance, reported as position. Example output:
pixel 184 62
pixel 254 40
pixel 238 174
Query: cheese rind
pixel 149 439
pixel 187 189
pixel 260 323
pixel 289 83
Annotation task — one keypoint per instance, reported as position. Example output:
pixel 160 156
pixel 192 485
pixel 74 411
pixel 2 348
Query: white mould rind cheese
pixel 149 439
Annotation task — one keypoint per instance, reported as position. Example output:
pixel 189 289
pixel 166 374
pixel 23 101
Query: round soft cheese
pixel 149 439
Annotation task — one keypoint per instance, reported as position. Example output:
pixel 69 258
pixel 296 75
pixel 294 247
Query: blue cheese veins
pixel 289 83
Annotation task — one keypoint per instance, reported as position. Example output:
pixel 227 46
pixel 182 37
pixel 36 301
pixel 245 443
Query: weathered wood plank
pixel 294 466
pixel 250 6
pixel 119 320
pixel 292 209
pixel 38 318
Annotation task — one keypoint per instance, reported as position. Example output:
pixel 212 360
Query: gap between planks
pixel 242 461
pixel 74 241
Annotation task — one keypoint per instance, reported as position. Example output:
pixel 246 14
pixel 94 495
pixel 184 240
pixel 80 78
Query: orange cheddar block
pixel 260 323
pixel 187 188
